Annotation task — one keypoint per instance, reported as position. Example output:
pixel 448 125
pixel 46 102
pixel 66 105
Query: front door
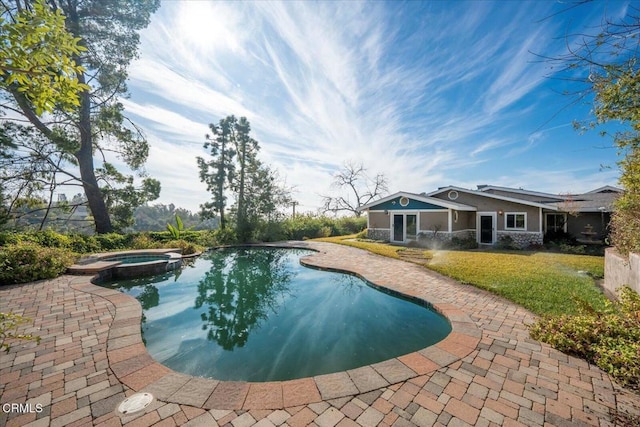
pixel 486 229
pixel 398 228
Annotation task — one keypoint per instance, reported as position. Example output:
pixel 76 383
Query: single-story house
pixel 489 213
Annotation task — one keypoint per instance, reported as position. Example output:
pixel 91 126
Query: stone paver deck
pixel 487 372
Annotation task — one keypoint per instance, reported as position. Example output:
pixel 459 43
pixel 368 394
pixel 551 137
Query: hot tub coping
pixel 96 264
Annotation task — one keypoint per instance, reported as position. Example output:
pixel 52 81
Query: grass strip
pixel 543 282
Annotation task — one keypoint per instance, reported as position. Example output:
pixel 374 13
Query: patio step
pixel 413 255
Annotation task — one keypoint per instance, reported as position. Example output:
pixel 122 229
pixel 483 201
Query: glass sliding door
pixel 405 227
pixel 412 227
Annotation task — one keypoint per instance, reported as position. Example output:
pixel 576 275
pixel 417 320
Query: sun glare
pixel 207 25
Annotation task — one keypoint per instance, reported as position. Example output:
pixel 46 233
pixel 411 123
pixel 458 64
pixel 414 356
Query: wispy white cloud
pixel 427 93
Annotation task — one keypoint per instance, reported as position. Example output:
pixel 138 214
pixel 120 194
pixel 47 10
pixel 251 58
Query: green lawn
pixel 543 282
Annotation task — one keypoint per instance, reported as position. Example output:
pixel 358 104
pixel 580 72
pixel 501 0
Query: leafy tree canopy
pixel 37 56
pixel 96 131
pixel 608 66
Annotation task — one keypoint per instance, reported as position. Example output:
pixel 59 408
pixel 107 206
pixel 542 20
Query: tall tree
pixel 356 189
pixel 247 149
pixel 107 29
pixel 218 173
pixel 235 170
pixel 267 195
pixel 605 68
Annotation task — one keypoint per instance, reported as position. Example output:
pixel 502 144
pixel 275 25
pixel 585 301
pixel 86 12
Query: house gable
pixel 410 201
pixel 395 204
pixel 606 189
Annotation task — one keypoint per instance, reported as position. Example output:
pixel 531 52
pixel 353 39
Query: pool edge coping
pixel 134 367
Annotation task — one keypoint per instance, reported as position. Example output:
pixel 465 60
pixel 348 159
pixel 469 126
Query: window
pixel 452 195
pixel 556 222
pixel 515 221
pixel 404 201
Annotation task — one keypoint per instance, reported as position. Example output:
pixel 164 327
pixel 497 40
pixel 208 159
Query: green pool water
pixel 257 314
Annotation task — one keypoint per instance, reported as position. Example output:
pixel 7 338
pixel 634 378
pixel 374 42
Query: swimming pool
pixel 256 314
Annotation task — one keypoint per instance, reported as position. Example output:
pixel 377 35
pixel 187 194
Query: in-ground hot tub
pixel 129 264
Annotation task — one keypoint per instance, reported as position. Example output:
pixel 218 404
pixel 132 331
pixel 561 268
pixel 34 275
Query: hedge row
pixel 26 262
pixel 25 257
pixel 83 244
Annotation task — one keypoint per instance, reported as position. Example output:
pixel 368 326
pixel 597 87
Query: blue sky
pixel 428 93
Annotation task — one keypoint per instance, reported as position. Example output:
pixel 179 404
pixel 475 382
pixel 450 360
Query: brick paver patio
pixel 487 372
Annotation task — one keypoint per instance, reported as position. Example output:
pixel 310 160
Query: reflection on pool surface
pixel 256 314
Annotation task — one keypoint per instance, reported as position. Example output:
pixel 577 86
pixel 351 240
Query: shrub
pixel 10 238
pixel 505 242
pixel 572 249
pixel 206 238
pixel 144 241
pixel 188 248
pixel 46 238
pixel 608 337
pixel 625 221
pixel 26 262
pixel 466 243
pixel 114 241
pixel 349 225
pixel 321 226
pixel 559 236
pixel 82 243
pixel 271 231
pixel 224 236
pixel 325 231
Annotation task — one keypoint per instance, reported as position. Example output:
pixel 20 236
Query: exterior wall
pixel 466 221
pixel 378 226
pixel 487 204
pixel 379 233
pixel 430 219
pixel 522 239
pixel 429 235
pixel 620 271
pixel 576 224
pixel 464 234
pixel 378 220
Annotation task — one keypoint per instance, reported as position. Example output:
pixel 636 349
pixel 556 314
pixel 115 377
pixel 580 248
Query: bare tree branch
pixel 360 188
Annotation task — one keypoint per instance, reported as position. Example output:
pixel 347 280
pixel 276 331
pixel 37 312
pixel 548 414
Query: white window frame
pixel 506 215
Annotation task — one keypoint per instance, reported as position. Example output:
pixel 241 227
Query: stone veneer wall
pixel 384 234
pixel 464 234
pixel 522 239
pixel 442 236
pixel 429 235
pixel 620 271
pixel 379 234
